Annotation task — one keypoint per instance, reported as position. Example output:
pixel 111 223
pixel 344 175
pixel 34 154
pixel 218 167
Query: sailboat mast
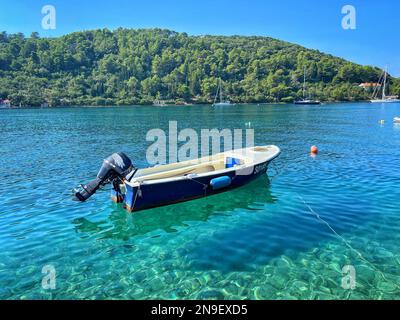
pixel 384 86
pixel 220 90
pixel 304 83
pixel 216 95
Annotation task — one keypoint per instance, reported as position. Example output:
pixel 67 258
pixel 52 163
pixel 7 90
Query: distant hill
pixel 129 66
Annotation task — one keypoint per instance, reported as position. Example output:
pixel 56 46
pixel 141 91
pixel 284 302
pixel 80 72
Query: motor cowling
pixel 115 167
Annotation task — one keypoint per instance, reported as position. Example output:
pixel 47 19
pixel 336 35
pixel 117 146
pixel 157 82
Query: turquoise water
pixel 262 241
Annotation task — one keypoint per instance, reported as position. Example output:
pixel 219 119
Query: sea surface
pixel 324 227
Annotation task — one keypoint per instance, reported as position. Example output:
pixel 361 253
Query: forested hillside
pixel 128 66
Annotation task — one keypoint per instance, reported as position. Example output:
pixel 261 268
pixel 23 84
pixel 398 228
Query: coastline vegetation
pixel 129 66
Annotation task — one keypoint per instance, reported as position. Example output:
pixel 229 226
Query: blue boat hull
pixel 148 196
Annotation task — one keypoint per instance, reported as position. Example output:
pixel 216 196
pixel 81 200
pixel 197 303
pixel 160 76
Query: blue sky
pixel 312 23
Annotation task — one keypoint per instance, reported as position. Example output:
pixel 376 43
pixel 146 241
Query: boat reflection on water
pixel 121 225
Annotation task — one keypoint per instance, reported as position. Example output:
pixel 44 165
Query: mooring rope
pixel 137 193
pixel 277 169
pixel 313 212
pixel 205 186
pixel 318 216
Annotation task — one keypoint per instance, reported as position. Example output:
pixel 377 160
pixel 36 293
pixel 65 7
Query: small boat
pixel 384 98
pixel 305 101
pixel 221 102
pixel 159 103
pixel 391 99
pixel 140 189
pixel 308 102
pixel 396 119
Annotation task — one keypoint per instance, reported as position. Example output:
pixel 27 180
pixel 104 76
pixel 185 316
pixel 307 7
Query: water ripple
pixel 256 242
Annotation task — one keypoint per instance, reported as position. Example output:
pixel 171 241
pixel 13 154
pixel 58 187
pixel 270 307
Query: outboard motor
pixel 115 167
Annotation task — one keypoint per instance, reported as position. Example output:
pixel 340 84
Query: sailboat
pixel 385 98
pixel 221 101
pixel 159 103
pixel 305 101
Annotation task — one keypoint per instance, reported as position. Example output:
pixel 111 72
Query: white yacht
pixel 306 101
pixel 221 101
pixel 384 98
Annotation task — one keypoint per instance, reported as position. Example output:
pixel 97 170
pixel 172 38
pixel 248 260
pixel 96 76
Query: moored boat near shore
pixel 167 184
pixel 384 98
pixel 221 102
pixel 306 101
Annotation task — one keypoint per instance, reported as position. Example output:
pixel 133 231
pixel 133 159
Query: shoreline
pixel 174 105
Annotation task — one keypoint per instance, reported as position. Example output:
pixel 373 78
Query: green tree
pixel 128 66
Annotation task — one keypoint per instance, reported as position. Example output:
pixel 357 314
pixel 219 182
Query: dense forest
pixel 126 66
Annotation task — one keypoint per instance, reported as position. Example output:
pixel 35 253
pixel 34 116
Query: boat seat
pixel 202 168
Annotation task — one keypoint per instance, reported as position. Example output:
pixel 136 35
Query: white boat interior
pixel 225 161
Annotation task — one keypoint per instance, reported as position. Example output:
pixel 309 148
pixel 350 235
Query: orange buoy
pixel 314 150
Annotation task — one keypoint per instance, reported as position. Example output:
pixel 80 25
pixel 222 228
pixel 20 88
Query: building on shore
pixel 370 86
pixel 5 103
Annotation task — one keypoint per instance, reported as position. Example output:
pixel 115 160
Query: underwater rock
pixel 27 271
pixel 336 267
pixel 280 278
pixel 282 262
pixel 356 295
pixel 167 278
pixel 318 281
pixel 304 274
pixel 26 285
pixel 203 279
pixel 5 293
pixel 155 284
pixel 264 292
pixel 300 286
pixel 211 294
pixel 180 293
pixel 285 296
pixel 196 284
pixel 384 254
pixel 136 293
pixel 139 276
pixel 366 273
pixel 114 291
pixel 230 288
pixel 267 271
pixel 387 287
pixel 318 295
pixel 186 285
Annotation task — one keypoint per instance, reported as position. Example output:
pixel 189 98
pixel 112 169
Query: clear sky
pixel 313 23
